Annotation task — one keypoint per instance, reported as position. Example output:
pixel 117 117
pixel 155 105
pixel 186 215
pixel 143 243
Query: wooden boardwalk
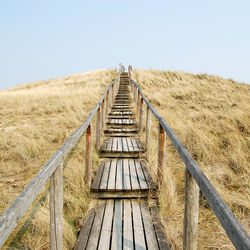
pixel 121 217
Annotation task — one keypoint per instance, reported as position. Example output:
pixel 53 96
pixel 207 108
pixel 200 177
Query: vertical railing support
pixel 135 93
pixel 98 129
pixel 191 213
pixel 113 94
pixel 148 127
pixel 161 153
pixel 138 102
pixel 88 165
pixel 103 114
pixel 107 104
pixel 56 209
pixel 141 114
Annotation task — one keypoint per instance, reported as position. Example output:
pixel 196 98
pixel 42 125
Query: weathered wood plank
pixel 141 177
pixel 126 178
pixel 88 158
pixel 104 242
pixel 85 231
pixel 98 129
pixel 117 226
pixel 96 228
pixel 139 239
pixel 112 175
pixel 105 176
pixel 119 175
pixel 133 175
pixel 124 145
pixel 148 226
pixel 97 179
pixel 128 240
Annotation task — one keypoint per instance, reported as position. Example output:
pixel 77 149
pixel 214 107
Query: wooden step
pixel 122 224
pixel 121 147
pixel 122 178
pixel 121 132
pixel 121 113
pixel 121 122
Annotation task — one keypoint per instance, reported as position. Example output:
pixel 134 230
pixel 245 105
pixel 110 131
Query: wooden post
pixel 112 93
pixel 88 165
pixel 141 114
pixel 107 103
pixel 98 129
pixel 148 127
pixel 161 153
pixel 56 209
pixel 135 93
pixel 103 114
pixel 138 102
pixel 191 213
pixel 110 97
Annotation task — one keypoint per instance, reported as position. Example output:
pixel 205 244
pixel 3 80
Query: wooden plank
pixel 97 179
pixel 128 240
pixel 134 180
pixel 109 145
pixel 96 227
pixel 105 176
pixel 130 145
pixel 56 209
pixel 135 145
pixel 139 239
pixel 104 242
pixel 148 177
pixel 119 175
pixel 112 175
pixel 85 231
pixel 126 175
pixel 148 226
pixel 190 237
pixel 124 144
pixel 115 144
pixel 161 237
pixel 117 226
pixel 141 177
pixel 119 144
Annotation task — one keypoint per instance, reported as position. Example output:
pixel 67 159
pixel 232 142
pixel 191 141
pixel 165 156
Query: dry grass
pixel 35 120
pixel 211 117
pixel 209 114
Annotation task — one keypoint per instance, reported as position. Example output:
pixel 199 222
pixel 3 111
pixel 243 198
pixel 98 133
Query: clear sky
pixel 45 39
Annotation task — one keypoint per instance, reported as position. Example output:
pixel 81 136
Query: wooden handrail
pixel 53 170
pixel 231 225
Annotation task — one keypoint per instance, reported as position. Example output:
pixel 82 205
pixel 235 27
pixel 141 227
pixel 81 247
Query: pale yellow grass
pixel 35 120
pixel 211 117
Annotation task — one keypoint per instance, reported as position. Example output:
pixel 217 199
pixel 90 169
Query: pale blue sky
pixel 44 39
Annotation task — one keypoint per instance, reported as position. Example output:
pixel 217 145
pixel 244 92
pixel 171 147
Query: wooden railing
pixel 195 180
pixel 53 169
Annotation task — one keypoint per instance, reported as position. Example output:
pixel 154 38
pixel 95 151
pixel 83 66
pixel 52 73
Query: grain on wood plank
pixel 97 179
pixel 135 145
pixel 128 240
pixel 148 226
pixel 139 239
pixel 119 144
pixel 96 227
pixel 119 174
pixel 142 181
pixel 85 231
pixel 133 175
pixel 160 235
pixel 109 144
pixel 124 145
pixel 115 144
pixel 126 175
pixel 112 175
pixel 105 176
pixel 130 145
pixel 104 242
pixel 148 177
pixel 117 226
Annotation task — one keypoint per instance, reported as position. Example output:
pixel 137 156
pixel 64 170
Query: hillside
pixel 208 113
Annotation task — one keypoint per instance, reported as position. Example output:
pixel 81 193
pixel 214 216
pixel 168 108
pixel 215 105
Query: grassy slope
pixel 211 117
pixel 209 114
pixel 35 119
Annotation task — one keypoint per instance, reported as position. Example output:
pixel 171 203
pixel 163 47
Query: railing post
pixel 103 114
pixel 129 71
pixel 191 213
pixel 56 209
pixel 88 165
pixel 135 93
pixel 107 103
pixel 141 114
pixel 98 129
pixel 110 97
pixel 112 93
pixel 161 153
pixel 138 102
pixel 148 127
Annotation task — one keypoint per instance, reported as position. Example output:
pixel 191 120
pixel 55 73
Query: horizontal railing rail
pixel 53 170
pixel 194 176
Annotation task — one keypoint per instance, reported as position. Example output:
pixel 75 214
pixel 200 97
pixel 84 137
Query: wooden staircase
pixel 121 217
